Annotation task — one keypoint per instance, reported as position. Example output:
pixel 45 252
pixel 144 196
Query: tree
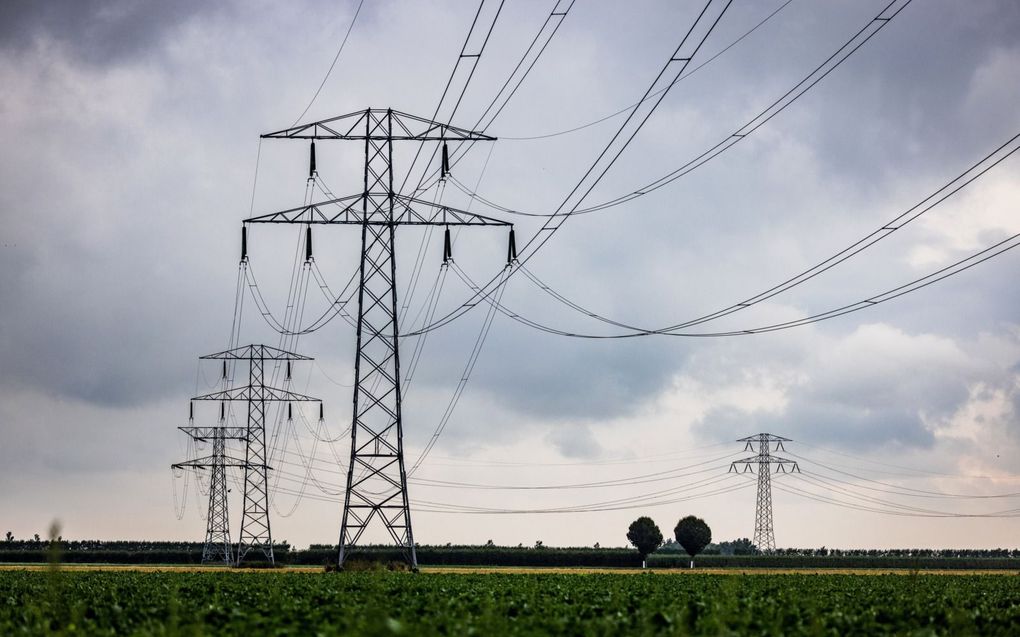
pixel 693 534
pixel 10 536
pixel 645 536
pixel 742 546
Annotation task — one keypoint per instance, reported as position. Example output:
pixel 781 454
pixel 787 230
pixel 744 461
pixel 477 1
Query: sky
pixel 131 154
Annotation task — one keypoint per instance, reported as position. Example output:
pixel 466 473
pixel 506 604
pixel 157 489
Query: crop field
pixel 374 603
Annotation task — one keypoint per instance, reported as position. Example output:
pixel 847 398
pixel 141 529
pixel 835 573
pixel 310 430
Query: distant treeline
pixel 142 552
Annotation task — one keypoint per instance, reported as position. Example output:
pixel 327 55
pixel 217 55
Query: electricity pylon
pixel 764 533
pixel 376 478
pixel 217 547
pixel 255 530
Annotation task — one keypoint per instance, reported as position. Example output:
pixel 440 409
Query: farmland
pixel 246 603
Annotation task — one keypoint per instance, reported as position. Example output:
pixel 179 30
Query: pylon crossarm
pixel 366 124
pixel 314 213
pixel 249 352
pixel 245 393
pixel 768 458
pixel 407 211
pixel 441 215
pixel 208 462
pixel 207 433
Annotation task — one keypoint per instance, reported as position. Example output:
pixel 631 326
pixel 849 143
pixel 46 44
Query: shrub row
pixel 512 556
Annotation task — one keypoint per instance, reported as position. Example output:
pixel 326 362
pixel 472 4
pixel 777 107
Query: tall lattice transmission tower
pixel 218 546
pixel 255 526
pixel 376 477
pixel 764 532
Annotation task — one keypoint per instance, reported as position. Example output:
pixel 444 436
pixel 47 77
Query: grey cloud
pixel 575 442
pixel 97 31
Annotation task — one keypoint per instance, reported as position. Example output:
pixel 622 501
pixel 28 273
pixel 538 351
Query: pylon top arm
pixel 263 352
pixel 768 437
pixel 245 394
pixel 407 211
pixel 406 127
pixel 207 433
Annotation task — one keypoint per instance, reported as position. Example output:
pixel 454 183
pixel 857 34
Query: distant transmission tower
pixel 376 479
pixel 218 546
pixel 764 533
pixel 255 529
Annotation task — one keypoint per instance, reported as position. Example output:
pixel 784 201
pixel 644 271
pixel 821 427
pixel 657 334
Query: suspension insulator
pixel 511 251
pixel 447 246
pixel 191 411
pixel 224 369
pixel 244 244
pixel 311 161
pixel 288 370
pixel 446 161
pixel 321 417
pixel 308 244
pixel 223 411
pixel 290 411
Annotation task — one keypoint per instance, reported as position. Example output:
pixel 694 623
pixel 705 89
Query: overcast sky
pixel 130 136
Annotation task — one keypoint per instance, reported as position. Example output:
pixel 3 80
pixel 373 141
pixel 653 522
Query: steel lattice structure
pixel 764 532
pixel 255 527
pixel 376 478
pixel 217 547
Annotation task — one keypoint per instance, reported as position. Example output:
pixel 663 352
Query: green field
pixel 289 603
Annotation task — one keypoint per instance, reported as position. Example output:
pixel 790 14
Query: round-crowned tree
pixel 645 536
pixel 693 534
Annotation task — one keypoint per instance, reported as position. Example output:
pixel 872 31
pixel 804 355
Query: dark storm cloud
pixel 98 31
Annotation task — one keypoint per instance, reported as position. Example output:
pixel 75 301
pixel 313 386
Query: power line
pixel 475 59
pixel 681 57
pixel 920 471
pixel 888 508
pixel 657 476
pixel 682 77
pixel 332 64
pixel 462 383
pixel 885 230
pixel 953 269
pixel 905 491
pixel 859 39
pixel 556 18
